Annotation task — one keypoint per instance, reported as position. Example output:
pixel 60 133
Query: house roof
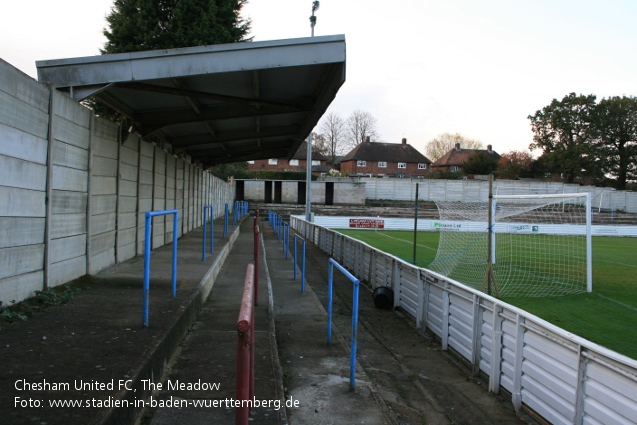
pixel 301 153
pixel 220 103
pixel 458 156
pixel 389 152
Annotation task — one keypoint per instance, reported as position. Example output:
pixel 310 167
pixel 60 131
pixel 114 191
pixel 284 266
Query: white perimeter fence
pixel 564 378
pixel 426 225
pixel 478 191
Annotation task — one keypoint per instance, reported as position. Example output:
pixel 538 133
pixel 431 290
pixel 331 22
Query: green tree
pixel 137 25
pixel 479 163
pixel 564 129
pixel 237 170
pixel 616 141
pixel 515 164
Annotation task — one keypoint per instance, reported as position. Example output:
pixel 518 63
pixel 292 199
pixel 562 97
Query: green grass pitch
pixel 607 316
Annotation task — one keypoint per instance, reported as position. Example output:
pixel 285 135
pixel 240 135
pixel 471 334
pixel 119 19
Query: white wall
pixel 99 189
pixel 478 191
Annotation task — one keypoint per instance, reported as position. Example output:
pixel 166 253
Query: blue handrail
pixel 225 223
pixel 303 262
pixel 207 208
pixel 148 235
pixel 330 284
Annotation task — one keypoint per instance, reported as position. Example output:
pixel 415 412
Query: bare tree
pixel 359 126
pixel 333 132
pixel 443 143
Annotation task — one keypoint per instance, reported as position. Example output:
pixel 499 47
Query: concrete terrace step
pixel 96 342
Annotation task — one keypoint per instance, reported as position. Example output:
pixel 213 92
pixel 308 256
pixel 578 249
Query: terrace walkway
pixel 97 340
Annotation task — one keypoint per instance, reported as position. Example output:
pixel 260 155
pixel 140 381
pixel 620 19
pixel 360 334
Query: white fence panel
pixel 561 377
pixel 460 323
pixel 409 282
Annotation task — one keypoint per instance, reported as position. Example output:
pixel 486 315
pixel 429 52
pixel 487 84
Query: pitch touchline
pixel 615 301
pixel 402 240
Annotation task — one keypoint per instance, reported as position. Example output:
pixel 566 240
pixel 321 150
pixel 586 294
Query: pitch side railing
pixel 564 378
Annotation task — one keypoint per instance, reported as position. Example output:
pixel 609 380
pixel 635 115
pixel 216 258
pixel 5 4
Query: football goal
pixel 518 245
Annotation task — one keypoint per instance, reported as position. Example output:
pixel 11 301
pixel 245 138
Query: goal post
pixel 541 245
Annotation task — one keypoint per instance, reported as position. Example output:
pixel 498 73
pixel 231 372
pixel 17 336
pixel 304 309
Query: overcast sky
pixel 421 67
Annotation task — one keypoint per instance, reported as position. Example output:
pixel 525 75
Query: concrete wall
pixel 345 192
pixel 478 190
pixel 98 187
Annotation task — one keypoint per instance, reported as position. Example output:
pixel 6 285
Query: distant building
pixel 298 162
pixel 456 157
pixel 385 160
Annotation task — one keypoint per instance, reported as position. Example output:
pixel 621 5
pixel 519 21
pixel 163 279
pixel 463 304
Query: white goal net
pixel 541 244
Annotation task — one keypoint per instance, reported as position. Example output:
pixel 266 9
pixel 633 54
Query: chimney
pixel 404 141
pixel 489 148
pixel 458 147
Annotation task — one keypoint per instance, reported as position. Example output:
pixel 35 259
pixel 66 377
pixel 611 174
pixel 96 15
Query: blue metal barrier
pixel 225 222
pixel 207 208
pixel 147 239
pixel 303 262
pixel 330 284
pixel 286 239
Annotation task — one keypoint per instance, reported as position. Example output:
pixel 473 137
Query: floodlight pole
pixel 308 176
pixel 315 7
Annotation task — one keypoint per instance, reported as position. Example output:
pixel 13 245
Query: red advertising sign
pixel 366 223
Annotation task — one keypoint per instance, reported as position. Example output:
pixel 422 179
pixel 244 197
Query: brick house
pixel 456 157
pixel 385 160
pixel 298 162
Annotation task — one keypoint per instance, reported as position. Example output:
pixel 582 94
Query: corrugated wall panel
pixel 610 396
pixel 409 290
pixel 460 324
pixel 117 198
pixel 434 310
pixel 545 368
pixel 70 182
pixel 104 177
pixel 159 198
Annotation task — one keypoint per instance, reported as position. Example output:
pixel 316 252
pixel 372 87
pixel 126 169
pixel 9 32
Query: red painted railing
pixel 245 349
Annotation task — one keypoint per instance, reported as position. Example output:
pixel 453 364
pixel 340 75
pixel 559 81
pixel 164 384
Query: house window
pixel 316 162
pixel 294 162
pixel 453 168
pixel 422 166
pixel 250 162
pixel 273 161
pixel 382 164
pixel 402 165
pixel 361 163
